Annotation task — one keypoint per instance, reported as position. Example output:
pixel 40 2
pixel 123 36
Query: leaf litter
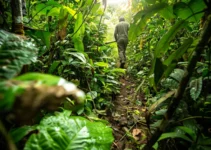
pixel 127 118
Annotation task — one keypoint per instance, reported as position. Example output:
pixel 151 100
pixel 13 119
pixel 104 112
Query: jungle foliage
pixel 172 52
pixel 62 70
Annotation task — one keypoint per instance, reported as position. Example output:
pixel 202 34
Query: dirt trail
pixel 127 117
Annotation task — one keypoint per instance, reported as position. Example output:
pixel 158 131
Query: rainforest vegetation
pixel 61 85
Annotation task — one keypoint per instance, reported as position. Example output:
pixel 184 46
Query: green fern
pixel 14 54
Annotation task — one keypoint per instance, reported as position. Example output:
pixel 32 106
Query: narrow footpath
pixel 127 117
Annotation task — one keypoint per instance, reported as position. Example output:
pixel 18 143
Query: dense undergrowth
pixel 59 79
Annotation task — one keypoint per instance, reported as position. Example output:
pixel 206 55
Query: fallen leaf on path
pixel 136 133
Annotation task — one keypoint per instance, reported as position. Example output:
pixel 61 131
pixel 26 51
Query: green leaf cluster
pixel 62 131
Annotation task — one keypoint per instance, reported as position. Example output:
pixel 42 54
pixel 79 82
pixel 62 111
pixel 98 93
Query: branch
pixel 205 36
pixel 9 143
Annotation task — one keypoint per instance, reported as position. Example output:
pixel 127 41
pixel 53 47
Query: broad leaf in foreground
pixel 70 133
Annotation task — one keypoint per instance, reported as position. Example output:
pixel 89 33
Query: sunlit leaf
pixel 140 19
pixel 167 12
pixel 43 78
pixel 79 30
pixel 101 64
pixel 43 8
pixel 78 55
pixel 44 36
pixel 54 11
pixel 120 70
pixel 78 43
pixel 95 8
pixel 69 10
pixel 185 10
pixel 92 95
pixel 151 1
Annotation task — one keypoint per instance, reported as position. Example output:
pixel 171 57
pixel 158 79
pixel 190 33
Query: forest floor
pixel 127 117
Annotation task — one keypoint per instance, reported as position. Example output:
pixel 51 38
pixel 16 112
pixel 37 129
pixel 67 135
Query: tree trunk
pixel 17 17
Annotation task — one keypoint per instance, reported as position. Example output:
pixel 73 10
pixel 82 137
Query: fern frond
pixel 14 54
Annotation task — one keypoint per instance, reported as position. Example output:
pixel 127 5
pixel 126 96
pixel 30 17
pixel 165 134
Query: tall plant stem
pixel 204 39
pixel 10 144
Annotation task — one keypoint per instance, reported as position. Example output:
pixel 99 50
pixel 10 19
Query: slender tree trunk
pixel 204 39
pixel 17 17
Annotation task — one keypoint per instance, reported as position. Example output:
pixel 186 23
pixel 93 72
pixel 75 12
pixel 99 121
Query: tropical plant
pixel 24 96
pixel 174 48
pixel 62 131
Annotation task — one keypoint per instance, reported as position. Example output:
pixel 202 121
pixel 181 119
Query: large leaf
pixel 78 55
pixel 96 8
pixel 174 135
pixel 43 8
pixel 140 19
pixel 14 54
pixel 18 133
pixel 174 79
pixel 158 71
pixel 71 133
pixel 118 70
pixel 185 10
pixel 54 11
pixel 179 52
pixel 164 43
pixel 41 78
pixel 38 35
pixel 189 131
pixel 167 12
pixel 195 88
pixel 192 124
pixel 101 64
pixel 69 10
pixel 79 30
pixel 53 67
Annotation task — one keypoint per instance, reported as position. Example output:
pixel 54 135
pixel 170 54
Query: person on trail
pixel 121 37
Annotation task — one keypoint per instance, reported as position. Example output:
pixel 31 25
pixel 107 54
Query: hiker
pixel 121 37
